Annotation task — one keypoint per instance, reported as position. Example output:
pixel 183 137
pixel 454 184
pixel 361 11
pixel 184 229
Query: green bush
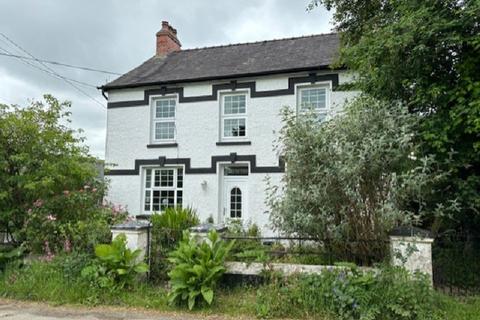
pixel 9 255
pixel 364 178
pixel 115 265
pixel 40 157
pixel 196 268
pixel 350 294
pixel 74 220
pixel 166 233
pixel 247 250
pixel 60 281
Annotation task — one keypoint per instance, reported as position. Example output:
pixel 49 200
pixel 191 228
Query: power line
pixel 52 71
pixel 48 72
pixel 61 64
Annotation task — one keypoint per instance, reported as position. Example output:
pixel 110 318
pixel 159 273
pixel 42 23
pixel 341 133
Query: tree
pixel 425 55
pixel 352 179
pixel 39 157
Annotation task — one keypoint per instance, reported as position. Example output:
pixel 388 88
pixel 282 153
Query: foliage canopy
pixel 40 156
pixel 425 55
pixel 352 179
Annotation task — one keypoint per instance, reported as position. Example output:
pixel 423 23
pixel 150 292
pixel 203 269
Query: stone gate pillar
pixel 411 248
pixel 138 235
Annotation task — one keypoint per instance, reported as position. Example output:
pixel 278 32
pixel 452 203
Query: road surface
pixel 19 310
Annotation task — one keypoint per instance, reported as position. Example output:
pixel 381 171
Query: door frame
pixel 221 189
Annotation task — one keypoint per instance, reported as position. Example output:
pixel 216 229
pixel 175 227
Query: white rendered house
pixel 197 127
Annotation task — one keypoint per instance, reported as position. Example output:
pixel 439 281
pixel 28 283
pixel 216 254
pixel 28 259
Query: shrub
pixel 115 265
pixel 60 281
pixel 350 294
pixel 247 250
pixel 73 220
pixel 9 255
pixel 196 268
pixel 167 230
pixel 363 177
pixel 40 156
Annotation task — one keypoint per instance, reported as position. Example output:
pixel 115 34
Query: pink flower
pixel 29 211
pixel 66 192
pixel 48 253
pixel 116 209
pixel 51 217
pixel 38 203
pixel 67 245
pixel 94 190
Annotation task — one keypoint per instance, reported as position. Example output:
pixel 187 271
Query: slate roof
pixel 237 60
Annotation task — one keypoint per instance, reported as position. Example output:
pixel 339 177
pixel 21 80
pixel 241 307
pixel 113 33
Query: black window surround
pixel 162 145
pixel 232 85
pixel 186 162
pixel 234 143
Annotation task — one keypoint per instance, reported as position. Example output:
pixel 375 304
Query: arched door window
pixel 235 203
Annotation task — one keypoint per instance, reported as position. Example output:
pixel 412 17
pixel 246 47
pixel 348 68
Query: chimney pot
pixel 167 40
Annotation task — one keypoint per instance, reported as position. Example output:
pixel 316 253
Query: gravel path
pixel 19 310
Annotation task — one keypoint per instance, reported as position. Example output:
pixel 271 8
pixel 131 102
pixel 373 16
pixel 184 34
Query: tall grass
pixel 58 282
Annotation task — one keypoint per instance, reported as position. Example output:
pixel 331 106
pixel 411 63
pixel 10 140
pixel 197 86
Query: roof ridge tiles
pixel 259 41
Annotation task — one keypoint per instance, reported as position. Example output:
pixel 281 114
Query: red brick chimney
pixel 167 40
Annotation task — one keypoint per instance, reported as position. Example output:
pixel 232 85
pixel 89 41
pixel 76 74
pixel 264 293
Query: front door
pixel 234 194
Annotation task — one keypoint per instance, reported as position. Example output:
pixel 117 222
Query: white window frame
pixel 320 85
pixel 224 116
pixel 175 188
pixel 155 120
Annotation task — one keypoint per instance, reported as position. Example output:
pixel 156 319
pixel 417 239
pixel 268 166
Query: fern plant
pixel 197 267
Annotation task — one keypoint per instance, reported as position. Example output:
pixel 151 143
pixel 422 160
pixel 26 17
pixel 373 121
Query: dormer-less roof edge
pixel 307 53
pixel 213 78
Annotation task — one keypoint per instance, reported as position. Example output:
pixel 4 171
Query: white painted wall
pixel 128 133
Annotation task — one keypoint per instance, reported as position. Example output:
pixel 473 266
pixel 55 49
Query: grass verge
pixel 44 282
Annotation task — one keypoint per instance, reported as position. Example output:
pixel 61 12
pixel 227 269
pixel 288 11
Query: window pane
pixel 164 130
pixel 156 182
pixel 166 178
pixel 235 203
pixel 234 104
pixel 236 171
pixel 313 98
pixel 167 199
pixel 234 127
pixel 179 198
pixel 180 178
pixel 147 200
pixel 156 201
pixel 165 109
pixel 164 188
pixel 148 178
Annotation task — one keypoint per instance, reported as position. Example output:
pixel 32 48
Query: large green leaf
pixel 104 251
pixel 207 294
pixel 196 268
pixel 141 268
pixel 191 302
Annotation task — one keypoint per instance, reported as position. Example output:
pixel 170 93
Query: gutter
pixel 105 88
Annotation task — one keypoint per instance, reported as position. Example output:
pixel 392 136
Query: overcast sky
pixel 119 35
